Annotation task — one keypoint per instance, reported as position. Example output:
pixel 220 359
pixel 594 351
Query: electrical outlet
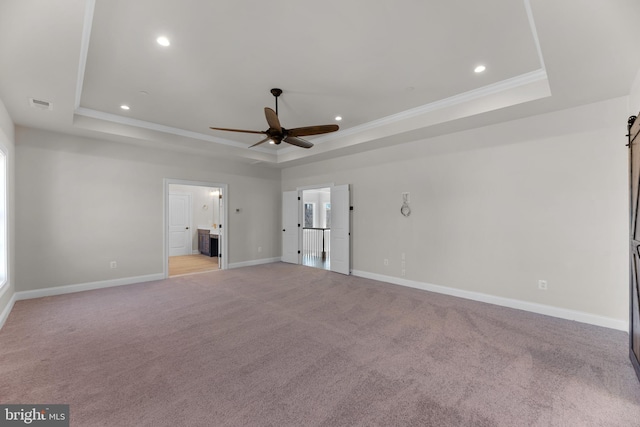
pixel 386 261
pixel 403 265
pixel 403 272
pixel 259 248
pixel 542 285
pixel 113 264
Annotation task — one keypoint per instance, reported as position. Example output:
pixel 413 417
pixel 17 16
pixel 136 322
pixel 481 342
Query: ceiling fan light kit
pixel 276 133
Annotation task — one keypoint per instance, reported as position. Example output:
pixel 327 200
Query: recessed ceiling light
pixel 271 141
pixel 338 118
pixel 125 107
pixel 480 68
pixel 163 41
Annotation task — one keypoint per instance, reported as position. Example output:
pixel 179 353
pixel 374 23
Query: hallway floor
pixel 187 264
pixel 317 262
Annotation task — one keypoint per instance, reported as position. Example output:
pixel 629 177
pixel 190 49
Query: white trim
pixel 68 289
pixel 4 288
pixel 4 206
pixel 471 95
pixel 316 187
pixel 195 252
pixel 461 98
pixel 254 262
pixel 534 31
pixel 7 310
pixel 90 6
pixel 142 124
pixel 562 313
pixel 224 215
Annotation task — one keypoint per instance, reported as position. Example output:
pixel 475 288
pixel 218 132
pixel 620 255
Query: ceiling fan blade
pixel 272 119
pixel 260 142
pixel 239 130
pixel 312 130
pixel 298 141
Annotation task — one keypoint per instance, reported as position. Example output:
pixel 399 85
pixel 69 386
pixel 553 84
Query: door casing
pixel 224 214
pixel 298 195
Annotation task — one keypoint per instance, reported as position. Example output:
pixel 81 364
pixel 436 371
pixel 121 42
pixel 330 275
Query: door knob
pixel 186 228
pixel 284 229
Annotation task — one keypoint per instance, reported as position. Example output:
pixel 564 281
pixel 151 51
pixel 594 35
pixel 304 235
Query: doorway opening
pixel 316 228
pixel 336 244
pixel 195 215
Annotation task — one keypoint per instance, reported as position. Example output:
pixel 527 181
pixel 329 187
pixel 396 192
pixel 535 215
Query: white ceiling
pixel 395 71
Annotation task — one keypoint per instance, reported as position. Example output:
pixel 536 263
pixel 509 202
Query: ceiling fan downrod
pixel 276 92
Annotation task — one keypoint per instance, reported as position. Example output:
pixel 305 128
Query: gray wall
pixel 496 209
pixel 84 202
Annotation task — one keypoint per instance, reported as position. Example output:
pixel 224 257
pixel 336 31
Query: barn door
pixel 634 243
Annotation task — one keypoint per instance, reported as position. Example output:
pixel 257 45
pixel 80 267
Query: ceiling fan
pixel 277 133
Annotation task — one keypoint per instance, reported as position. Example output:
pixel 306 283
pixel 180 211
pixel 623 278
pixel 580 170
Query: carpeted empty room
pixel 287 345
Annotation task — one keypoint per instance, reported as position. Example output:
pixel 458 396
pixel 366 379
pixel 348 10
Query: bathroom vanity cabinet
pixel 207 242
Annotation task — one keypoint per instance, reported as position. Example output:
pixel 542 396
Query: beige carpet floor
pixel 285 345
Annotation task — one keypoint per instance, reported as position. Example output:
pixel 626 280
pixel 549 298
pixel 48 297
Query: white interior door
pixel 290 222
pixel 179 224
pixel 340 230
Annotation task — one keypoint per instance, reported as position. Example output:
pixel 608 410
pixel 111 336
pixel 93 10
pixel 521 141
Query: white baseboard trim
pixel 253 262
pixel 195 252
pixel 562 313
pixel 59 290
pixel 5 313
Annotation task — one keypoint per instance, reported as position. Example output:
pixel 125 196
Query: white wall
pixel 496 209
pixel 84 202
pixel 7 138
pixel 634 97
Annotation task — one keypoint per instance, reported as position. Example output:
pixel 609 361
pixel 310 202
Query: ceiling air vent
pixel 38 103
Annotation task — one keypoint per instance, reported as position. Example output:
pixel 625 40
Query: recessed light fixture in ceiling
pixel 480 68
pixel 163 41
pixel 125 107
pixel 338 118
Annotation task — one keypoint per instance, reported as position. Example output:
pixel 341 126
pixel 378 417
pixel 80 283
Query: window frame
pixel 4 216
pixel 304 214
